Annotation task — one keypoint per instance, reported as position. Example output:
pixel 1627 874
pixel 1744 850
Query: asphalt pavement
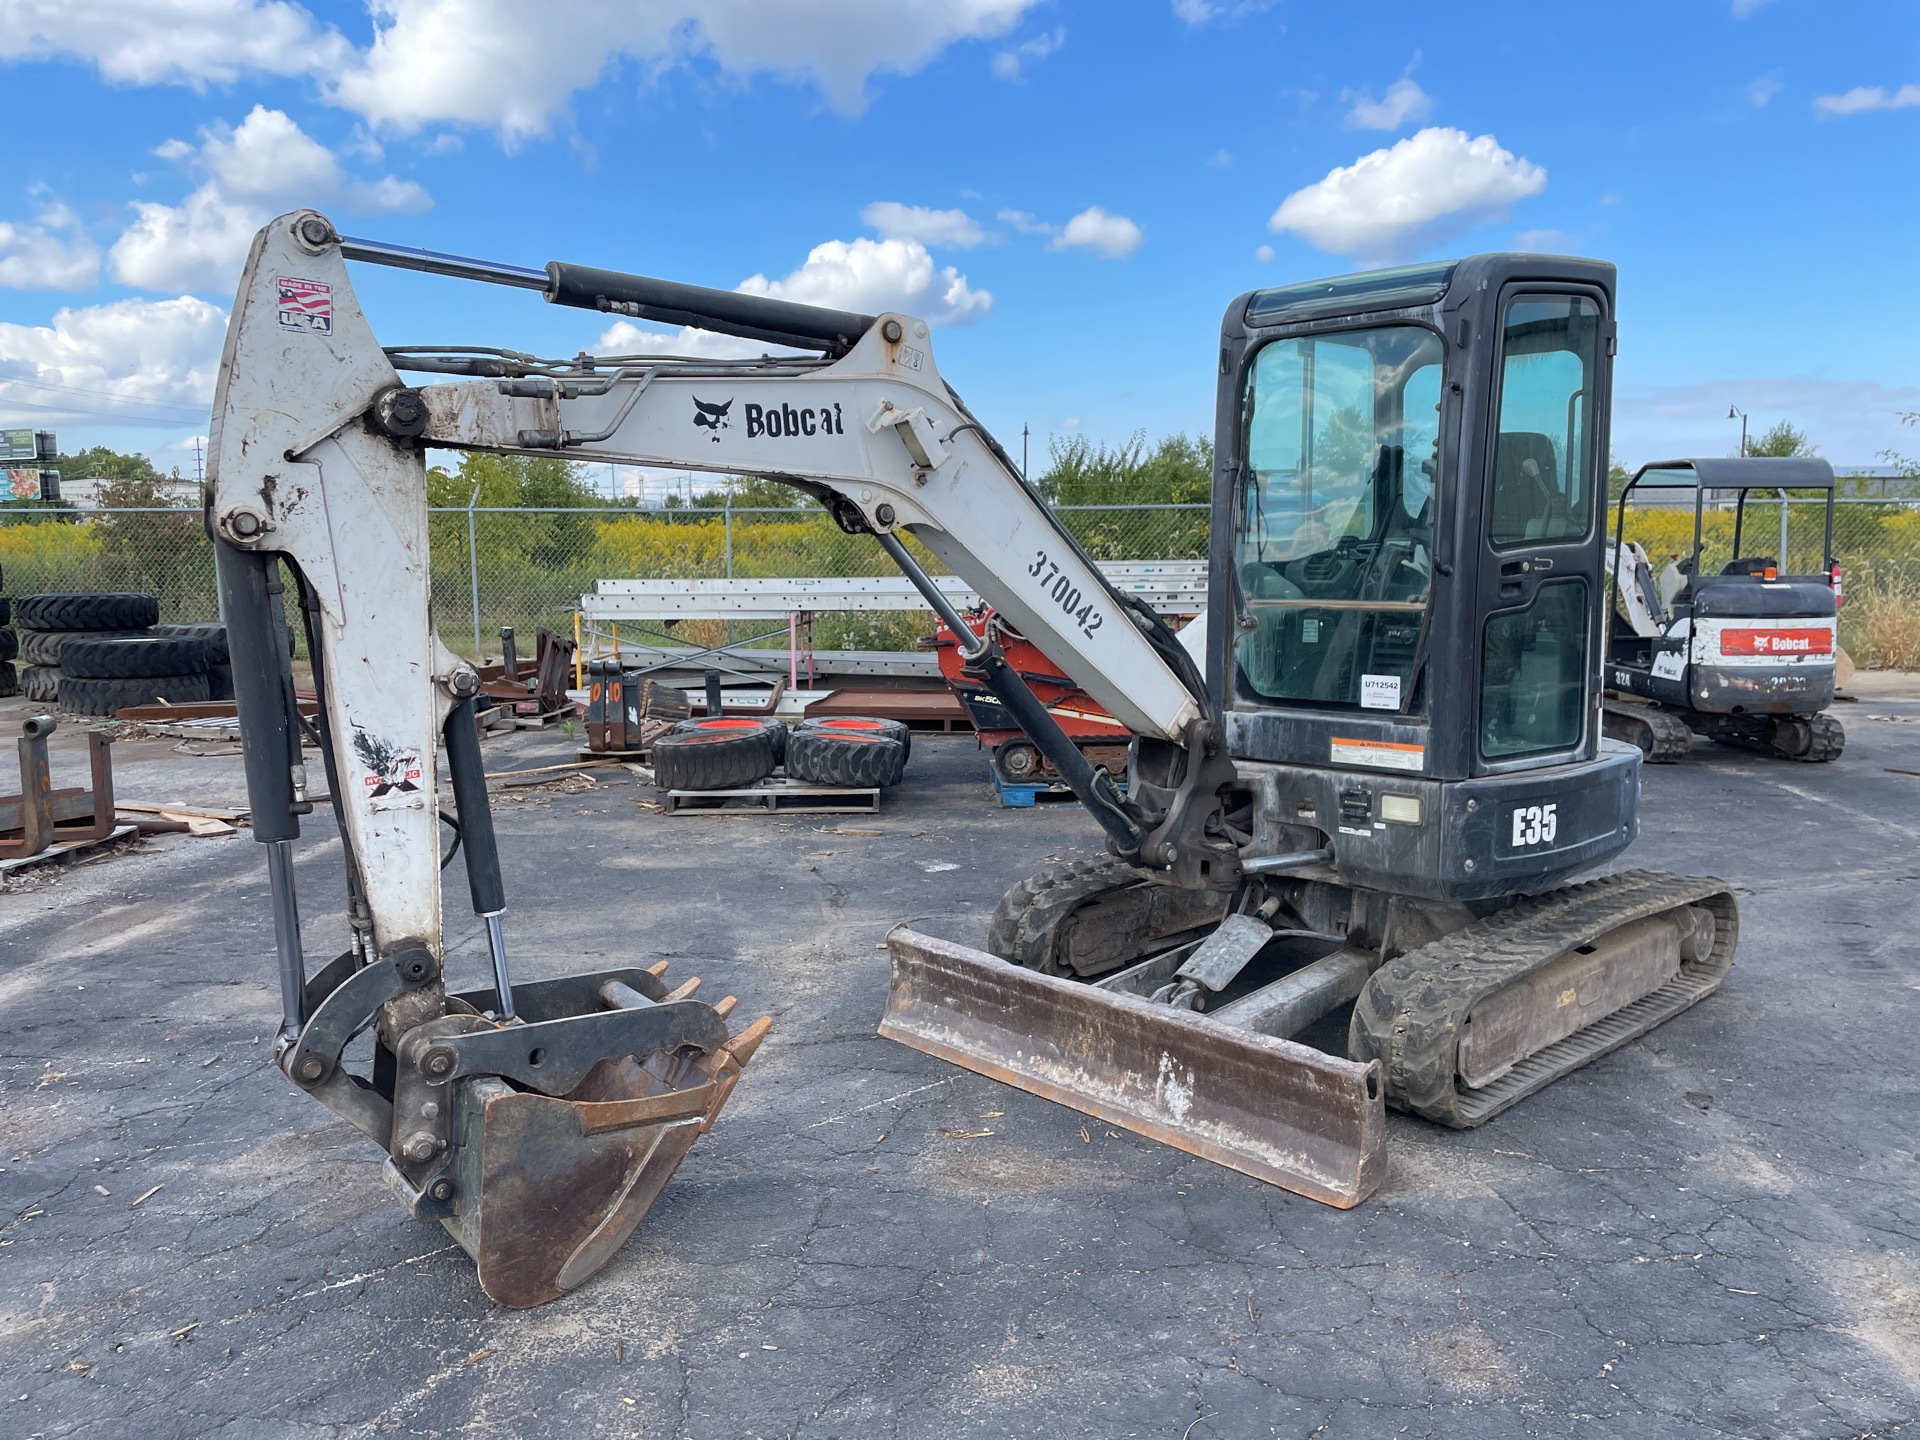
pixel 1712 1232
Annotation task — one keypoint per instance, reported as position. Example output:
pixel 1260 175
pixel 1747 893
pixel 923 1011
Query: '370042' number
pixel 1065 593
pixel 1535 825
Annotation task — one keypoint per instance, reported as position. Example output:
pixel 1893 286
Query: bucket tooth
pixel 1297 1117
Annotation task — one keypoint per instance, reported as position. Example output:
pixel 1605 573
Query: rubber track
pixel 1671 738
pixel 1026 922
pixel 9 680
pixel 1829 739
pixel 1410 1014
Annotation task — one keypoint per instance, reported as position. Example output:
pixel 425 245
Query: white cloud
pixel 501 64
pixel 895 221
pixel 1764 88
pixel 1852 421
pixel 1868 97
pixel 264 165
pixel 623 337
pixel 513 66
pixel 52 253
pixel 1388 204
pixel 1744 9
pixel 864 276
pixel 867 276
pixel 130 362
pixel 1112 237
pixel 1202 12
pixel 178 42
pixel 1403 102
pixel 1220 160
pixel 1010 64
pixel 1023 222
pixel 1545 242
pixel 1263 253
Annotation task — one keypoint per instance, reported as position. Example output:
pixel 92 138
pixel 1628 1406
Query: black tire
pixel 88 612
pixel 6 611
pixel 775 731
pixel 212 634
pixel 850 759
pixel 9 680
pixel 42 647
pixel 712 759
pixel 893 730
pixel 40 682
pixel 9 646
pixel 103 697
pixel 128 657
pixel 220 682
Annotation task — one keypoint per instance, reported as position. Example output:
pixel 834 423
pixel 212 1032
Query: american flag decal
pixel 305 305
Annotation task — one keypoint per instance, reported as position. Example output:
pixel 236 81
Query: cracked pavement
pixel 1712 1232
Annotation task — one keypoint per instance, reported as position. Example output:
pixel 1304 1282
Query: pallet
pixel 541 721
pixel 775 796
pixel 1015 796
pixel 633 757
pixel 67 850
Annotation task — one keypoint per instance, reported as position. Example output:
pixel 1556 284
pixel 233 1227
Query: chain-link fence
pixel 527 568
pixel 1876 541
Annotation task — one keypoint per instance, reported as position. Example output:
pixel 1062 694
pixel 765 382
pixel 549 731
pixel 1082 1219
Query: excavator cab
pixel 1406 536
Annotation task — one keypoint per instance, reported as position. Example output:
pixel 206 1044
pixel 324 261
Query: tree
pixel 98 462
pixel 149 542
pixel 752 492
pixel 1781 440
pixel 1907 465
pixel 1177 471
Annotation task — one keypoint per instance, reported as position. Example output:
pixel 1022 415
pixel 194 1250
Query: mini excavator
pixel 1339 877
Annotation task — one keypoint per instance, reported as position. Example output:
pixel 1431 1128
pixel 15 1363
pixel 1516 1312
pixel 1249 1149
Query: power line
pixel 103 394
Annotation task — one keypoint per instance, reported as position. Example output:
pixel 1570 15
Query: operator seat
pixel 1525 490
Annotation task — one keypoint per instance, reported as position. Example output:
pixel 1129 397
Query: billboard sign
pixel 18 445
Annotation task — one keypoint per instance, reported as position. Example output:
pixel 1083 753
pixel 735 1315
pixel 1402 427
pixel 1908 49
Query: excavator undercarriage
pixel 1323 1005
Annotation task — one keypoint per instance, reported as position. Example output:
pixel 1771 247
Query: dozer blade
pixel 1285 1113
pixel 544 1189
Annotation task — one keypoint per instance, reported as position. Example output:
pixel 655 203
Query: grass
pixel 1880 622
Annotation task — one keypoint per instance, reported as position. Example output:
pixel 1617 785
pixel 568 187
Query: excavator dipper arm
pixel 538 1123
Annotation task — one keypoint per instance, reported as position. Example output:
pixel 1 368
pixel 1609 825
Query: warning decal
pixel 1380 754
pixel 305 305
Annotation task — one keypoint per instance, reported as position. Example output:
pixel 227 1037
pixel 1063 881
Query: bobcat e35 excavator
pixel 1350 828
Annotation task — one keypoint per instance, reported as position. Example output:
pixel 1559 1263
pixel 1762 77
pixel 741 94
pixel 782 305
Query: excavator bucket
pixel 1282 1112
pixel 542 1190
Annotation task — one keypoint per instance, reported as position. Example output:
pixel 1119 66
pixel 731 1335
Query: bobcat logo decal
pixel 711 417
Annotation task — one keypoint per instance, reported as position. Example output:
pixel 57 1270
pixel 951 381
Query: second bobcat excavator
pixel 1337 880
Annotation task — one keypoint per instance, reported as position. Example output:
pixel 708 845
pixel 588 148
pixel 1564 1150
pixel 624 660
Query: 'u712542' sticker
pixel 305 305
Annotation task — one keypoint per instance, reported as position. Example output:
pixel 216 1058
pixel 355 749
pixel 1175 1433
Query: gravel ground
pixel 1715 1231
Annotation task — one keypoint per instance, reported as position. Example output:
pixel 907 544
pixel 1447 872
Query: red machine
pixel 1016 759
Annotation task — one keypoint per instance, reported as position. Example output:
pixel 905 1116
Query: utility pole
pixel 1023 452
pixel 199 461
pixel 1732 411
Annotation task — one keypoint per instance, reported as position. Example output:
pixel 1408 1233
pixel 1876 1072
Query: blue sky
pixel 1071 191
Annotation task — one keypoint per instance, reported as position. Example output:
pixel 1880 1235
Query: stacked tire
pixel 9 650
pixel 733 752
pixel 726 752
pixel 93 654
pixel 855 752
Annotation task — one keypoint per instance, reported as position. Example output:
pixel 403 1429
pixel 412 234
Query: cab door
pixel 1539 587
